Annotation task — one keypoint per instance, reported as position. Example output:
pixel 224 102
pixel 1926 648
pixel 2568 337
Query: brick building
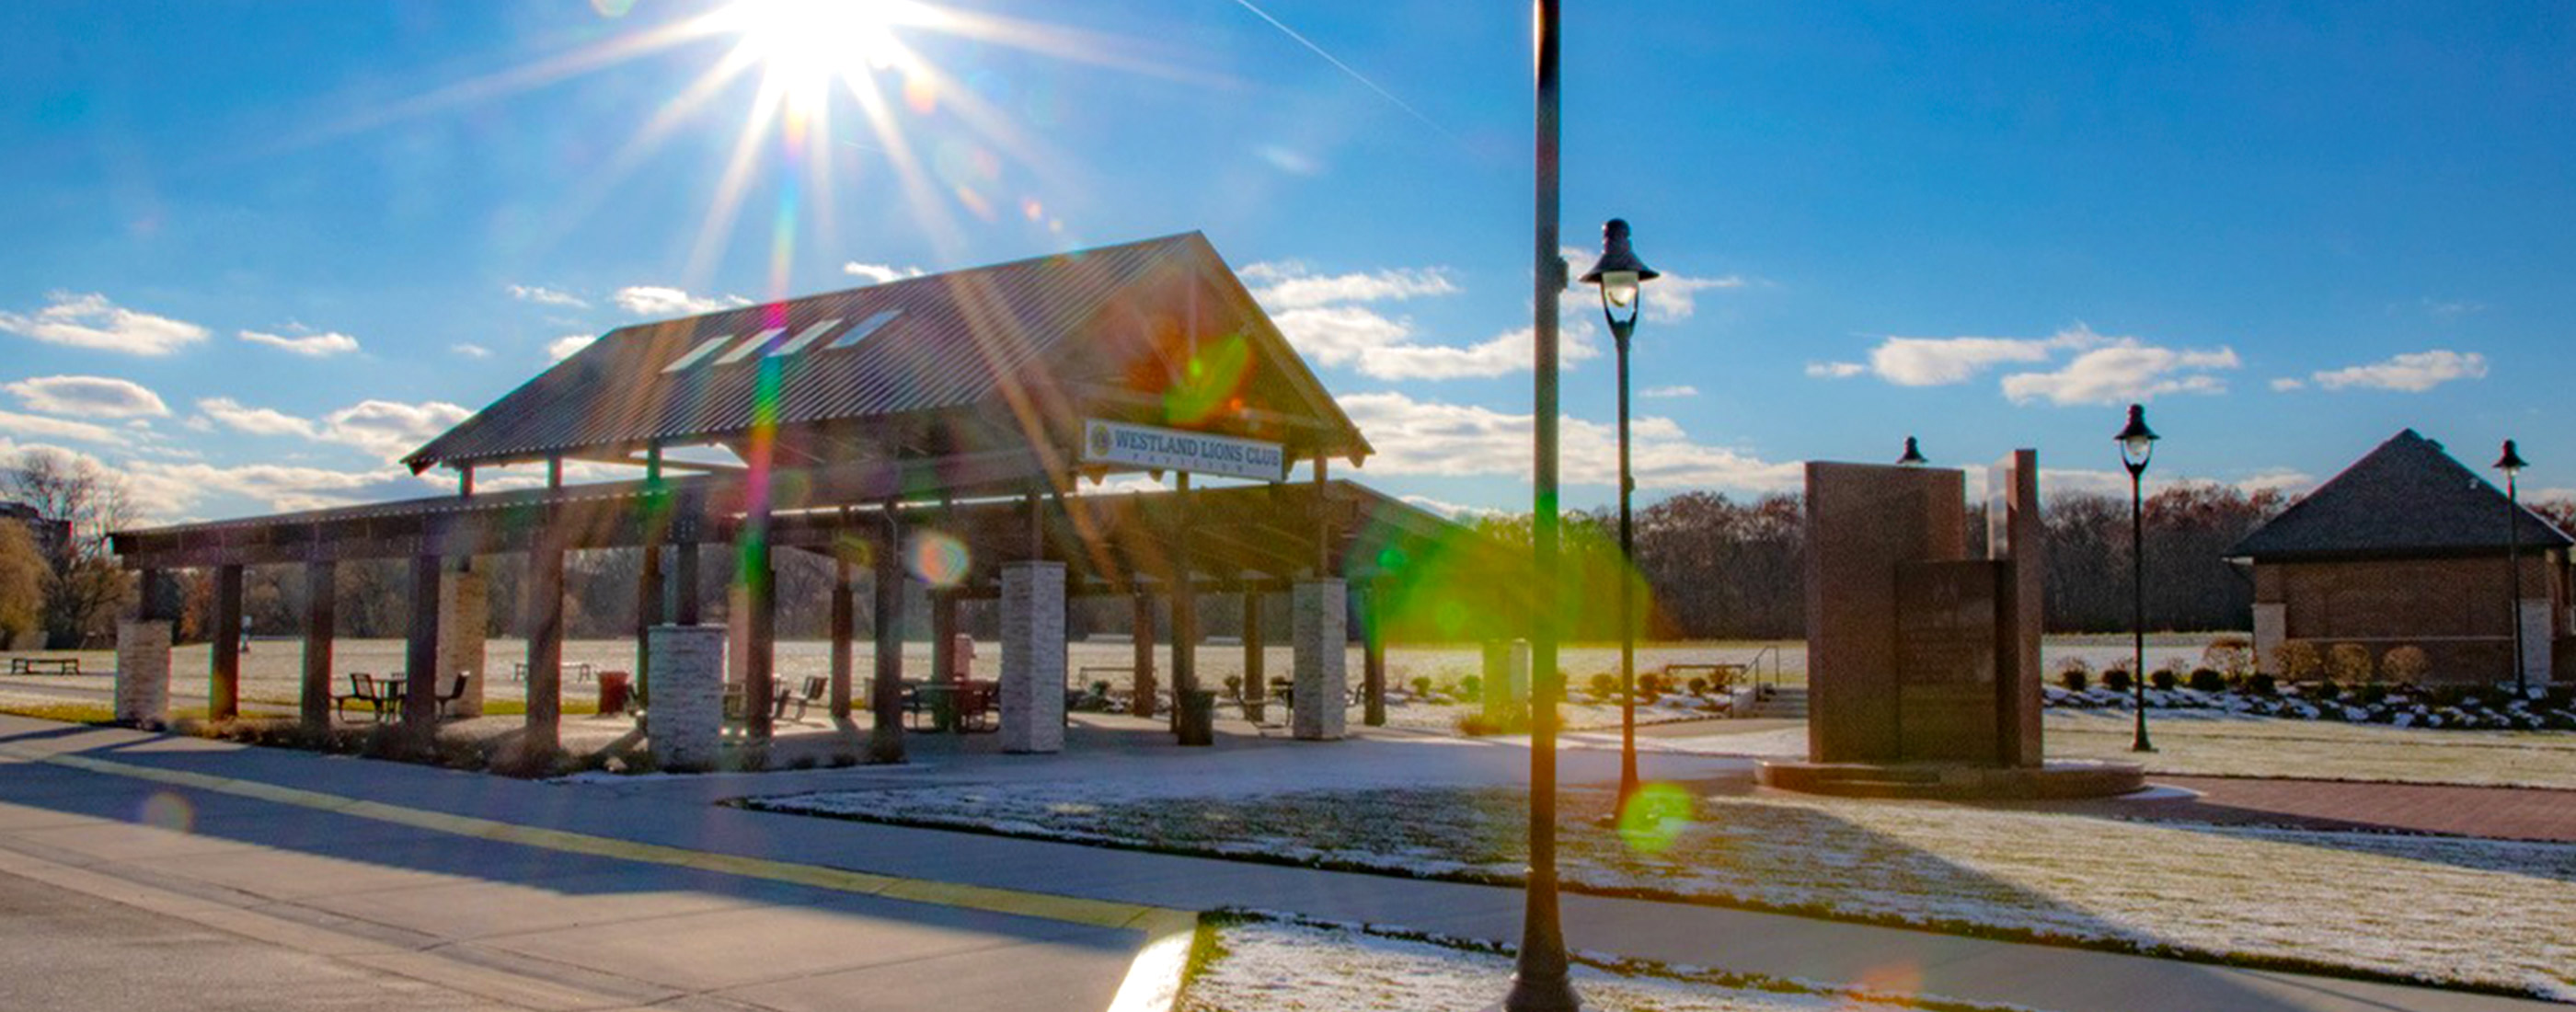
pixel 2407 547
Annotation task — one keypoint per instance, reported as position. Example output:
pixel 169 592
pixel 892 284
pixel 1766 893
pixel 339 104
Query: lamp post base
pixel 1547 996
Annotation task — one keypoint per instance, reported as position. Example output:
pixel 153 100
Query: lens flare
pixel 939 559
pixel 1656 816
pixel 167 810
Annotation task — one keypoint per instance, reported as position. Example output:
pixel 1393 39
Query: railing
pixel 1755 666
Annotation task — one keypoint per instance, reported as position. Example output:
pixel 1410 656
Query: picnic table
pixel 44 665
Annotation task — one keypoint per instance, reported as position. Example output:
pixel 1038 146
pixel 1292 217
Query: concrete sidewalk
pixel 698 948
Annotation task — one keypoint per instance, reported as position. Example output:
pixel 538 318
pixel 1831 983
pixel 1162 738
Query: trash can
pixel 614 689
pixel 1198 717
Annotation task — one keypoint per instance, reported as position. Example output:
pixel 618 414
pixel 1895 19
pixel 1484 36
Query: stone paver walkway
pixel 716 950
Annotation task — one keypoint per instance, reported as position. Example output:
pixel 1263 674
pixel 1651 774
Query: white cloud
pixel 91 321
pixel 657 300
pixel 2447 308
pixel 1673 297
pixel 567 346
pixel 2125 370
pixel 390 429
pixel 2279 479
pixel 43 427
pixel 313 345
pixel 92 396
pixel 1433 438
pixel 2413 372
pixel 2288 383
pixel 546 296
pixel 1835 370
pixel 470 350
pixel 1676 390
pixel 1286 286
pixel 234 415
pixel 878 274
pixel 1937 361
pixel 1450 509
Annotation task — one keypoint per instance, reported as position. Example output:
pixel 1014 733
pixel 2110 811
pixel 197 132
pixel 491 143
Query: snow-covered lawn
pixel 2196 742
pixel 1277 966
pixel 2442 910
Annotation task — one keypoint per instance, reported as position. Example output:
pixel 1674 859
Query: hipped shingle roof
pixel 2408 498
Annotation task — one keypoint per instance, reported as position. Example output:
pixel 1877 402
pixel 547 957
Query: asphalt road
pixel 64 951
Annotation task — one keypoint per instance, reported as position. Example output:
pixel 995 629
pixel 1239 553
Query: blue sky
pixel 255 250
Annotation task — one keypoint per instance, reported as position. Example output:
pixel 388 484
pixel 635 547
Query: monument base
pixel 2062 778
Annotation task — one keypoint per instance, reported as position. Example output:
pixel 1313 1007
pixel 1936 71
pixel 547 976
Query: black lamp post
pixel 1913 455
pixel 1540 978
pixel 2511 463
pixel 1621 276
pixel 2137 443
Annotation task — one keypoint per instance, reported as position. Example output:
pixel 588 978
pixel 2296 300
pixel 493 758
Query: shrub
pixel 1605 685
pixel 2261 684
pixel 2163 679
pixel 2075 664
pixel 1477 725
pixel 2073 678
pixel 1699 686
pixel 1471 686
pixel 1422 687
pixel 1651 684
pixel 1234 686
pixel 2115 679
pixel 2325 689
pixel 2407 663
pixel 2374 693
pixel 2232 655
pixel 2208 680
pixel 2350 662
pixel 2298 660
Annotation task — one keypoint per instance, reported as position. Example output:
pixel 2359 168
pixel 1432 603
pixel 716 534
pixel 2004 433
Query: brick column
pixel 1319 630
pixel 1033 652
pixel 143 672
pixel 685 728
pixel 464 612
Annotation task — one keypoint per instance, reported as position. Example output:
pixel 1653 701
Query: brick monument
pixel 1923 662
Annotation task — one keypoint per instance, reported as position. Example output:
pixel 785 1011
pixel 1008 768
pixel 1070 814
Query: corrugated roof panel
pixel 808 336
pixel 954 340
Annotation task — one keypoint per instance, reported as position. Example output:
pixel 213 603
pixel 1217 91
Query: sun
pixel 804 47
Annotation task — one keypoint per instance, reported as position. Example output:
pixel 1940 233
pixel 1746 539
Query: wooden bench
pixel 44 665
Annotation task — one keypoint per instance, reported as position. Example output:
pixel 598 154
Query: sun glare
pixel 805 46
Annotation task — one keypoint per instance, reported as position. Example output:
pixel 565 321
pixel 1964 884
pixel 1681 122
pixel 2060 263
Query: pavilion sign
pixel 1120 444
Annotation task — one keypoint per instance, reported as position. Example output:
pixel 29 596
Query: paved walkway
pixel 646 932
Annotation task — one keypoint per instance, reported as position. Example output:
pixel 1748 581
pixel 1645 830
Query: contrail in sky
pixel 1345 68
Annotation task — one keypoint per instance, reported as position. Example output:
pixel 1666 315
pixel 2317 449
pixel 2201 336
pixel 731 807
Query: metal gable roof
pixel 2406 498
pixel 955 340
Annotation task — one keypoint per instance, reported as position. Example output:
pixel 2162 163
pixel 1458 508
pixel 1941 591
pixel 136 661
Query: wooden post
pixel 885 695
pixel 759 674
pixel 845 621
pixel 943 644
pixel 223 689
pixel 684 582
pixel 648 607
pixel 420 650
pixel 1372 656
pixel 1185 616
pixel 1143 635
pixel 1323 520
pixel 545 625
pixel 321 616
pixel 1255 652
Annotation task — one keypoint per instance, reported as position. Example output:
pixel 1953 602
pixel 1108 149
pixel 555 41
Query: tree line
pixel 1707 566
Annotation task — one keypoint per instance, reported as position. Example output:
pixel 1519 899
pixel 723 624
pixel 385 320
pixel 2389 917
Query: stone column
pixel 2270 620
pixel 2536 640
pixel 685 728
pixel 1516 674
pixel 1033 652
pixel 1322 640
pixel 464 612
pixel 143 672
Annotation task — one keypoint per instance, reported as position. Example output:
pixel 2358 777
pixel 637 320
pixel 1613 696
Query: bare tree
pixel 83 588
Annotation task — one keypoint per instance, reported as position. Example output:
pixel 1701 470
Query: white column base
pixel 686 722
pixel 143 672
pixel 2536 645
pixel 1033 652
pixel 1322 639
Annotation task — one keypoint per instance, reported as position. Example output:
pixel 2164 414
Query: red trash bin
pixel 615 688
